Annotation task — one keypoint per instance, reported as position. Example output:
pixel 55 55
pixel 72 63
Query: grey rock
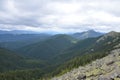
pixel 81 77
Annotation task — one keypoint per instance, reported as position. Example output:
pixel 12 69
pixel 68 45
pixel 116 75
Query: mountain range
pixel 18 32
pixel 14 39
pixel 45 56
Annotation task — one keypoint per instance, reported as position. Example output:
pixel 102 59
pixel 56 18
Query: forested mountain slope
pixel 10 60
pixel 48 48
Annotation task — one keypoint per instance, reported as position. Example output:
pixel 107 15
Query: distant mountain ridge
pixel 13 41
pixel 20 37
pixel 18 32
pixel 87 34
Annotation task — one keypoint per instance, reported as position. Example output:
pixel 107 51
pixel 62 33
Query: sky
pixel 60 15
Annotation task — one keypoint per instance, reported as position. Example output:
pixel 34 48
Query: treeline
pixel 22 75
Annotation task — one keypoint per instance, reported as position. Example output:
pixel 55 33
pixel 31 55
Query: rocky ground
pixel 107 68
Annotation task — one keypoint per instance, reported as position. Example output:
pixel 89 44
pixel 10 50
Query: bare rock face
pixel 107 68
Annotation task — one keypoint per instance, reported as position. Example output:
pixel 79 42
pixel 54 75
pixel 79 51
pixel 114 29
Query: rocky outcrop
pixel 111 34
pixel 107 68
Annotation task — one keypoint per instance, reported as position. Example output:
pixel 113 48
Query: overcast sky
pixel 60 15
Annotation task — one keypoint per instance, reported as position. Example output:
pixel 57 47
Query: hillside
pixel 48 48
pixel 10 60
pixel 107 68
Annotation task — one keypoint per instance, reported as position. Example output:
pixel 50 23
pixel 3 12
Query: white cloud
pixel 60 15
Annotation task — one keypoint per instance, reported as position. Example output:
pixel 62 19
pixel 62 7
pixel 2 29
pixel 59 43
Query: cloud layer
pixel 60 15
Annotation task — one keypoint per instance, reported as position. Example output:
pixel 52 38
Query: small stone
pixel 81 77
pixel 109 63
pixel 103 79
pixel 118 76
